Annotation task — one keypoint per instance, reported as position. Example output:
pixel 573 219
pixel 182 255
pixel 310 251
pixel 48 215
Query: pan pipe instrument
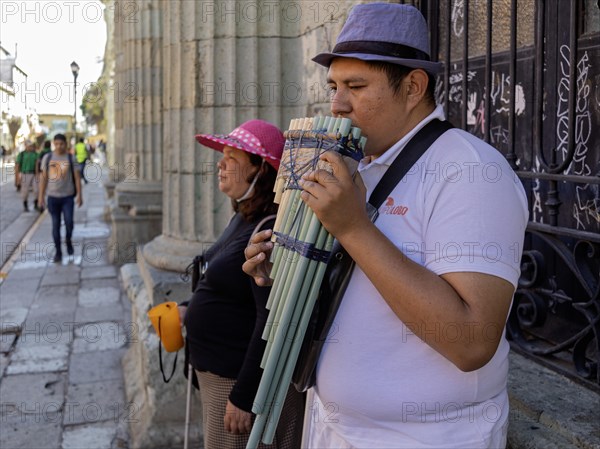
pixel 301 250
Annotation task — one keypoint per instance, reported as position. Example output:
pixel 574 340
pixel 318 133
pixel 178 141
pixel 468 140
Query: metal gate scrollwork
pixel 524 76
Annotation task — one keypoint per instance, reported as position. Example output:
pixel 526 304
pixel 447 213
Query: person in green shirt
pixel 25 177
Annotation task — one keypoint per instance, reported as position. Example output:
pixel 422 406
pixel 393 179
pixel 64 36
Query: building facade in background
pixel 18 120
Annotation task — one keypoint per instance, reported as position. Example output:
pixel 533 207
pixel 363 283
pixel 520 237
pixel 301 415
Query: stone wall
pixel 195 67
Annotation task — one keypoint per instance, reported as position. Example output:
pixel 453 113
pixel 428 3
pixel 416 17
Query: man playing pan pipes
pixel 419 357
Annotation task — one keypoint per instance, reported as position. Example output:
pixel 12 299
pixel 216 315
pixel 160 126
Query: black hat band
pixel 382 49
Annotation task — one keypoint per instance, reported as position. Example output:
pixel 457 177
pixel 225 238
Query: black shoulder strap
pixel 409 155
pixel 48 162
pixel 70 156
pixel 340 264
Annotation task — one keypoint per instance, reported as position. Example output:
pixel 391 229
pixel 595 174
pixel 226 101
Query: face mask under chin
pixel 250 188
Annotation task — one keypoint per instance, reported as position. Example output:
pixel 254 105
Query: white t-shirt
pixel 60 176
pixel 460 208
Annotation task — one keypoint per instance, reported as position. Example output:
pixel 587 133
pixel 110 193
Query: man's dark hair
pixel 396 74
pixel 81 140
pixel 260 203
pixel 60 137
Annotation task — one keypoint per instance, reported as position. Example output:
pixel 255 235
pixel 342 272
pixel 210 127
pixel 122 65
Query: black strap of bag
pixel 160 361
pixel 340 265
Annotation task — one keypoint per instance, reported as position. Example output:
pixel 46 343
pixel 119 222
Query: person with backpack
pixel 44 151
pixel 419 357
pixel 25 167
pixel 62 183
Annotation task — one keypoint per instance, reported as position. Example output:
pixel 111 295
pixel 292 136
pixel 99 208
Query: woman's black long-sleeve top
pixel 226 315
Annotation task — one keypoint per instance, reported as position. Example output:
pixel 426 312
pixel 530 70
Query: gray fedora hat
pixel 386 32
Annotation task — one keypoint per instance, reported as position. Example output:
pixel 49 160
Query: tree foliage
pixel 14 123
pixel 94 104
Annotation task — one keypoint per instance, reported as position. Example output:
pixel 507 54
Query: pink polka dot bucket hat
pixel 254 136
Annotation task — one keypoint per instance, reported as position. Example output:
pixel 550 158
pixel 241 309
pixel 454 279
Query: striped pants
pixel 214 392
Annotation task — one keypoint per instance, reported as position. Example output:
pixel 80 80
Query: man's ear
pixel 416 82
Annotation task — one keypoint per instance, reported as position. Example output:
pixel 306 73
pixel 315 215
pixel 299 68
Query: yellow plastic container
pixel 165 319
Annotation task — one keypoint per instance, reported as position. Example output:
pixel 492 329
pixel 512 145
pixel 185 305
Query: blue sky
pixel 49 36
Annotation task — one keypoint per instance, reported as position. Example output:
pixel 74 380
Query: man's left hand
pixel 79 200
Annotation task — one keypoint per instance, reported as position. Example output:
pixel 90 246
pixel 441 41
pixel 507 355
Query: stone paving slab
pixel 65 366
pixel 39 366
pixel 58 269
pixel 10 300
pixel 90 436
pixel 95 213
pixel 92 284
pixel 525 433
pixel 32 393
pixel 15 284
pixel 35 252
pixel 61 278
pixel 560 407
pixel 6 342
pixel 108 271
pixel 12 319
pixel 33 335
pixel 96 366
pixel 99 297
pixel 31 433
pixel 37 358
pixel 28 270
pixel 95 402
pixel 42 319
pixel 98 337
pixel 4 359
pixel 57 295
pixel 91 232
pixel 14 233
pixel 95 255
pixel 97 314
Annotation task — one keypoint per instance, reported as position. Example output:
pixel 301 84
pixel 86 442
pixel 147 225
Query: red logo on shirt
pixel 391 209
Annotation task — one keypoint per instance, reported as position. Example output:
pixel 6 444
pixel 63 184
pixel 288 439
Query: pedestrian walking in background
pixel 227 312
pixel 25 179
pixel 43 152
pixel 61 182
pixel 3 154
pixel 82 155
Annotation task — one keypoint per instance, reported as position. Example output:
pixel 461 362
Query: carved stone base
pixel 172 254
pixel 159 419
pixel 136 217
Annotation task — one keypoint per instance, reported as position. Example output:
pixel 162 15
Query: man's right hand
pixel 257 255
pixel 41 203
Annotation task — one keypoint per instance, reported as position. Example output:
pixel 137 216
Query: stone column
pixel 114 106
pixel 137 211
pixel 220 68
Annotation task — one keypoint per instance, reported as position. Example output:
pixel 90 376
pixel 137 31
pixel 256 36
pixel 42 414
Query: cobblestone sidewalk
pixel 64 328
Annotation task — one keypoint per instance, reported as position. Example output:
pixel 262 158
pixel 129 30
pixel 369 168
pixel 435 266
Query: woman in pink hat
pixel 226 314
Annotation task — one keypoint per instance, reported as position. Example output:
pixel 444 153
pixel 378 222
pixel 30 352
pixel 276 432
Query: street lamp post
pixel 75 70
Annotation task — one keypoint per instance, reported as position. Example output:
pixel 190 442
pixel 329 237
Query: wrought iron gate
pixel 525 76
